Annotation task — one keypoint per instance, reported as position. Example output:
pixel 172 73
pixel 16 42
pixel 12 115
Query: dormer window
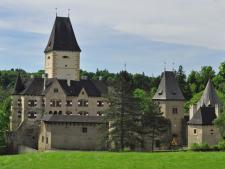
pixel 65 57
pixel 69 103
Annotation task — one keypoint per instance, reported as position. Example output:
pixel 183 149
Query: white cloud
pixel 200 22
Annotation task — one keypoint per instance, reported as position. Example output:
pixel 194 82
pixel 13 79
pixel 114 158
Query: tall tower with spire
pixel 62 53
pixel 171 102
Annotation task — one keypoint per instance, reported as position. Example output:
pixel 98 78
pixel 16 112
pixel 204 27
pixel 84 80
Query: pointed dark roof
pixel 209 97
pixel 62 37
pixel 19 86
pixel 204 116
pixel 168 88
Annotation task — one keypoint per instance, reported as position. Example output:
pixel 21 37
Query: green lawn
pixel 107 160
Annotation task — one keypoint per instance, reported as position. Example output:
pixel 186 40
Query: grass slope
pixel 106 160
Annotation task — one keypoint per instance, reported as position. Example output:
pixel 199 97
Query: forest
pixel 192 85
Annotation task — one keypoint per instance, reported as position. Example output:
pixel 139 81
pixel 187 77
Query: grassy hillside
pixel 105 160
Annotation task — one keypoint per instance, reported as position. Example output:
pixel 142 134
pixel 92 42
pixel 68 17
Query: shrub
pixel 221 145
pixel 200 147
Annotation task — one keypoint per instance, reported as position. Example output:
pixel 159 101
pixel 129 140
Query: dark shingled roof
pixel 62 37
pixel 35 87
pixel 209 97
pixel 168 88
pixel 204 116
pixel 72 119
pixel 19 86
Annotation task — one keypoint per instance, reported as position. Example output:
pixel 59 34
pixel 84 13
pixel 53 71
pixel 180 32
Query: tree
pixel 151 122
pixel 220 124
pixel 4 118
pixel 122 113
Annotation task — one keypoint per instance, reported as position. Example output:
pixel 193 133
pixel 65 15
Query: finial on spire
pixel 173 67
pixel 68 12
pixel 125 66
pixel 164 66
pixel 56 10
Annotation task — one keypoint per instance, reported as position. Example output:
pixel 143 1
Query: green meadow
pixel 110 160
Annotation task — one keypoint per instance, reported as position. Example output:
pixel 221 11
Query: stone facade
pixel 200 134
pixel 63 65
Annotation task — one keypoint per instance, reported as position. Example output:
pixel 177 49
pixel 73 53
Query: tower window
pixel 175 111
pixel 84 129
pixel 49 57
pixel 65 57
pixel 56 90
pixel 195 131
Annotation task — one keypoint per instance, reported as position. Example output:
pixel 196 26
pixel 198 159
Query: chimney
pixel 44 76
pixel 217 110
pixel 68 82
pixel 192 111
pixel 84 77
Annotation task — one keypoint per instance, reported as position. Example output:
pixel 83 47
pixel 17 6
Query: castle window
pixel 60 112
pixel 55 103
pixel 65 57
pixel 69 103
pixel 49 57
pixel 32 103
pixel 56 90
pixel 55 112
pixel 175 111
pixel 19 102
pixel 83 113
pixel 99 113
pixel 66 65
pixel 82 103
pixel 32 115
pixel 50 112
pixel 42 139
pixel 195 131
pixel 46 140
pixel 100 103
pixel 19 114
pixel 68 113
pixel 84 130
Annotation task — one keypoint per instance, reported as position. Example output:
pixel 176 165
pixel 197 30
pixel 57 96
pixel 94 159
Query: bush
pixel 200 147
pixel 221 145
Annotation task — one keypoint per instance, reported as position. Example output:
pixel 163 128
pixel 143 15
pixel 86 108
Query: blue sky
pixel 143 34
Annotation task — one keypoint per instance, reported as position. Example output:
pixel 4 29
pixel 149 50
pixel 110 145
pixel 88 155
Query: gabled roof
pixel 72 119
pixel 35 87
pixel 209 97
pixel 19 86
pixel 62 37
pixel 168 88
pixel 204 116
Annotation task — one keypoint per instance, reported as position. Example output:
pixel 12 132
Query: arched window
pixel 55 112
pixel 50 112
pixel 68 113
pixel 60 112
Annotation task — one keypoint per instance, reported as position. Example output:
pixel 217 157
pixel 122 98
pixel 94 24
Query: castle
pixel 62 111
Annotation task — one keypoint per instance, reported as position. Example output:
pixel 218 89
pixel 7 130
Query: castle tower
pixel 62 53
pixel 200 127
pixel 171 103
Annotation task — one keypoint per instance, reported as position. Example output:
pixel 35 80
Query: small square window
pixel 56 90
pixel 195 131
pixel 84 129
pixel 175 111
